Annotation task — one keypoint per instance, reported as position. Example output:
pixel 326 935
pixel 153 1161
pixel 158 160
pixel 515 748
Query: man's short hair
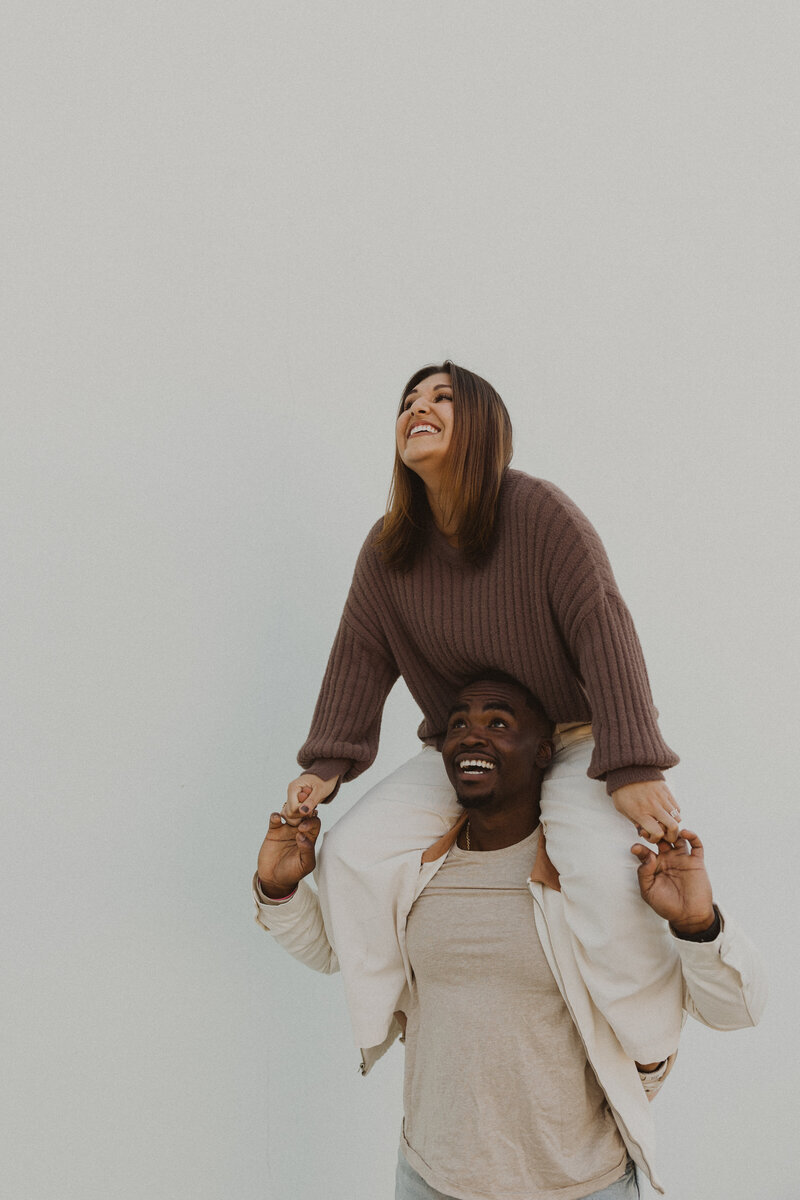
pixel 494 675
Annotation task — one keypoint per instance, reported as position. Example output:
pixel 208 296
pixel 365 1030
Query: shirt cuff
pixel 707 935
pixel 653 1076
pixel 652 1080
pixel 263 898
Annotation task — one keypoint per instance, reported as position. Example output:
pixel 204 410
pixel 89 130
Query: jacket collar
pixel 543 870
pixel 445 842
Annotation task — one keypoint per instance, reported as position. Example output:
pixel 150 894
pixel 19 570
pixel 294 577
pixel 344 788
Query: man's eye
pixel 458 723
pixel 499 721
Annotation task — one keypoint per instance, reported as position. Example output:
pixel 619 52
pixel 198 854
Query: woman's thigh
pixel 406 811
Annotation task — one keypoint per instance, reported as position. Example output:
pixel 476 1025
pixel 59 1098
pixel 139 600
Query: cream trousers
pixel 369 867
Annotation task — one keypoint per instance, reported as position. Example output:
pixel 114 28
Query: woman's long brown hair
pixel 480 451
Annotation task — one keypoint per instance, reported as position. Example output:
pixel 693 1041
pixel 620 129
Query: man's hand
pixel 304 794
pixel 675 883
pixel 286 855
pixel 652 808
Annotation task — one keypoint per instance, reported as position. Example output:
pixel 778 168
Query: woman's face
pixel 425 426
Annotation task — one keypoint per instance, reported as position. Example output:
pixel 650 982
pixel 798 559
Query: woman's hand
pixel 304 794
pixel 652 808
pixel 286 855
pixel 675 883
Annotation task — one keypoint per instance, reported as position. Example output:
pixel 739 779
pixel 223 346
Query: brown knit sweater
pixel 544 607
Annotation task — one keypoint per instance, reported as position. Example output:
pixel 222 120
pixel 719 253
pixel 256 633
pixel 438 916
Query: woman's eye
pixel 439 396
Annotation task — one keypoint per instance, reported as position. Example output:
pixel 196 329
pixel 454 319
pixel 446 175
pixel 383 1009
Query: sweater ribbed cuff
pixel 622 776
pixel 326 768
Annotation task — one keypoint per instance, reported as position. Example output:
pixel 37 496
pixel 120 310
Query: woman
pixel 477 566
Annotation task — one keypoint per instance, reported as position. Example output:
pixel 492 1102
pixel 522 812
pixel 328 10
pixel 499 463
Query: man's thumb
pixel 308 858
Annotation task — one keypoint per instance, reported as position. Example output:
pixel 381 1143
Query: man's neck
pixel 495 830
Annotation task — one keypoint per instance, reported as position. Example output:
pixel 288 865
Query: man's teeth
pixel 475 765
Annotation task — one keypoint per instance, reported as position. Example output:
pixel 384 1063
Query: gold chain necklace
pixel 466 834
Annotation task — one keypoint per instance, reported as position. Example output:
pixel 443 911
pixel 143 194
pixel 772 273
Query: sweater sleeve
pixel 601 638
pixel 345 728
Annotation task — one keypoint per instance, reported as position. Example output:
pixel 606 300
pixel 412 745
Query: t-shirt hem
pixel 575 1191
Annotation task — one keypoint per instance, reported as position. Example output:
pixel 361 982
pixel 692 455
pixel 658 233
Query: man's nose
pixel 473 734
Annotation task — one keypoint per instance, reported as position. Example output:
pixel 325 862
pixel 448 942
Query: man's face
pixel 492 746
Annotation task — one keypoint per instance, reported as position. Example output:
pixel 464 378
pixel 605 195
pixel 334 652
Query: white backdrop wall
pixel 231 233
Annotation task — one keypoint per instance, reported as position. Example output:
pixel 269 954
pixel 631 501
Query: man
pixel 515 1085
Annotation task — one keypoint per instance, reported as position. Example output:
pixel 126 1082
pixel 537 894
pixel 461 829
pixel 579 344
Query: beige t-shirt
pixel 499 1100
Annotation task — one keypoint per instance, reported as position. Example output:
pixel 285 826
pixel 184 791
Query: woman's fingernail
pixel 304 808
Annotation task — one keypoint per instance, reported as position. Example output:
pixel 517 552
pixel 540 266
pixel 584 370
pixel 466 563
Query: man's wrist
pixel 269 892
pixel 706 930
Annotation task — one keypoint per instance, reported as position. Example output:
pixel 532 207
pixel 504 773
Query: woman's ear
pixel 544 755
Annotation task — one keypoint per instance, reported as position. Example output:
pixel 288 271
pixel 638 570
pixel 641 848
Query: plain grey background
pixel 231 232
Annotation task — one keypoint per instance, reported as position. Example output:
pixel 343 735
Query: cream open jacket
pixel 724 988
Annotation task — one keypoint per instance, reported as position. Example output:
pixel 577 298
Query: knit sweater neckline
pixel 440 546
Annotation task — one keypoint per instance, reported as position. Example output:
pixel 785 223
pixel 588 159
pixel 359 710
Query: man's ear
pixel 544 755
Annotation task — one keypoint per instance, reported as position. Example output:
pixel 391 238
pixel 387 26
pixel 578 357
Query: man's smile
pixel 474 765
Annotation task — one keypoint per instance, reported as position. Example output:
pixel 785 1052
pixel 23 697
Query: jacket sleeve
pixel 601 639
pixel 725 983
pixel 297 925
pixel 361 670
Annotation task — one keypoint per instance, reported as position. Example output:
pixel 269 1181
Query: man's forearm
pixel 298 927
pixel 725 981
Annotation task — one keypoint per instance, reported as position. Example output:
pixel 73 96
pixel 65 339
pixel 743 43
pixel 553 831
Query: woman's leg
pixel 368 872
pixel 625 952
pixel 369 869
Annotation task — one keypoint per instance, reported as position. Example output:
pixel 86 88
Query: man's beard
pixel 475 801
